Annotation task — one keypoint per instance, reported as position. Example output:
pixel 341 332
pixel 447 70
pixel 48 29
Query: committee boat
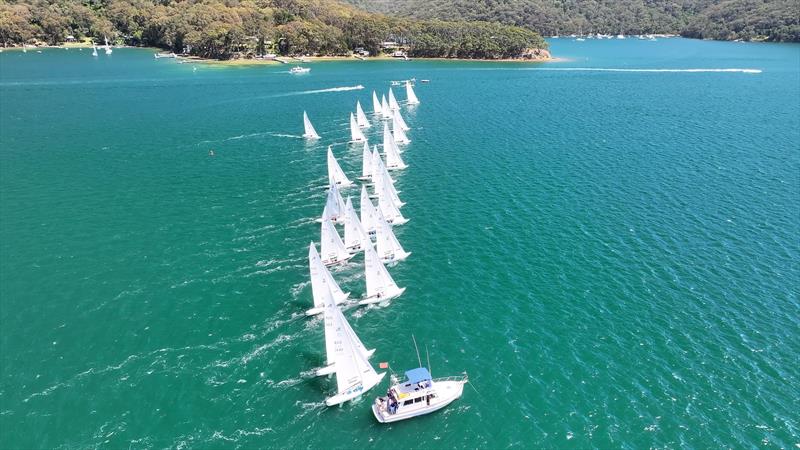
pixel 417 395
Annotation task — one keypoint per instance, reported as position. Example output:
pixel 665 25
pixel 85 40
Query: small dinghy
pixel 417 395
pixel 361 118
pixel 332 249
pixel 356 135
pixel 321 279
pixel 380 284
pixel 411 97
pixel 310 132
pixel 347 357
pixel 389 248
pixel 336 175
pixel 298 70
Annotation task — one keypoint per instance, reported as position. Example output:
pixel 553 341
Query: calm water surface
pixel 612 256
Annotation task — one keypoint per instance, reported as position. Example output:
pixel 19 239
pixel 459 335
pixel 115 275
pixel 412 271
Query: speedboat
pixel 298 69
pixel 417 395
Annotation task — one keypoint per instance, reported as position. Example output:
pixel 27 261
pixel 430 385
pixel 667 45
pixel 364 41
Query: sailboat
pixel 334 206
pixel 393 105
pixel 330 366
pixel 397 132
pixel 411 97
pixel 382 178
pixel 107 47
pixel 369 215
pixel 396 116
pixel 354 374
pixel 355 238
pixel 332 249
pixel 387 205
pixel 310 132
pixel 94 50
pixel 386 113
pixel 393 160
pixel 366 164
pixel 380 284
pixel 389 248
pixel 336 175
pixel 376 104
pixel 361 118
pixel 356 135
pixel 321 279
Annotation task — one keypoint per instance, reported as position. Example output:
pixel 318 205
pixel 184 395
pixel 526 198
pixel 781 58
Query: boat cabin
pixel 416 391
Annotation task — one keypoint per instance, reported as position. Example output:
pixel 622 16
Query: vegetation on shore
pixel 225 29
pixel 773 20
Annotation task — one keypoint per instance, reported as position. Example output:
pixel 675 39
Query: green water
pixel 612 256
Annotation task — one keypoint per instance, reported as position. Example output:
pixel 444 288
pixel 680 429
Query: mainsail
pixel 356 135
pixel 355 238
pixel 386 113
pixel 400 120
pixel 310 132
pixel 376 105
pixel 382 178
pixel 369 215
pixel 389 248
pixel 321 279
pixel 397 131
pixel 386 204
pixel 393 160
pixel 361 118
pixel 393 105
pixel 411 97
pixel 336 175
pixel 380 284
pixel 332 249
pixel 366 164
pixel 334 206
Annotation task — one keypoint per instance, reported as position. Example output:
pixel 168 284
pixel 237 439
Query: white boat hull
pixel 446 393
pixel 321 309
pixel 395 257
pixel 385 298
pixel 345 396
pixel 333 262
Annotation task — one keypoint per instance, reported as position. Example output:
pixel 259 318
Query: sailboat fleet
pixel 369 231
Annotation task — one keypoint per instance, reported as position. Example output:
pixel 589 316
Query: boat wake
pixel 602 69
pixel 322 91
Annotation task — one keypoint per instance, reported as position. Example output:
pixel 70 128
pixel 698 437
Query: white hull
pixel 395 257
pixel 345 396
pixel 402 221
pixel 333 262
pixel 446 393
pixel 385 298
pixel 321 309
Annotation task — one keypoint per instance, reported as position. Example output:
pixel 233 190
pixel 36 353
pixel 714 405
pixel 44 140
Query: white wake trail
pixel 601 69
pixel 321 91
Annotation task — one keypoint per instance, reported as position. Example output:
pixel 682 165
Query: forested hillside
pixel 239 28
pixel 776 20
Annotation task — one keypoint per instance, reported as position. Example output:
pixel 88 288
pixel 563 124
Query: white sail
pixel 334 206
pixel 389 248
pixel 321 279
pixel 397 132
pixel 310 132
pixel 376 104
pixel 356 135
pixel 379 169
pixel 386 113
pixel 355 238
pixel 354 374
pixel 383 180
pixel 393 105
pixel 330 338
pixel 94 50
pixel 380 284
pixel 332 249
pixel 366 164
pixel 107 47
pixel 411 97
pixel 369 215
pixel 386 204
pixel 399 119
pixel 390 150
pixel 361 118
pixel 336 175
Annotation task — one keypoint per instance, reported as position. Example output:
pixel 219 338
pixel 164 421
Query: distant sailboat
pixel 332 249
pixel 369 215
pixel 386 113
pixel 107 47
pixel 382 178
pixel 355 238
pixel 94 50
pixel 380 284
pixel 310 132
pixel 393 105
pixel 397 132
pixel 411 97
pixel 376 104
pixel 389 248
pixel 393 160
pixel 386 204
pixel 361 118
pixel 354 374
pixel 366 164
pixel 321 278
pixel 356 135
pixel 399 118
pixel 334 206
pixel 335 173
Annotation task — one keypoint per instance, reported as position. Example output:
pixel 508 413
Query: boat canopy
pixel 417 375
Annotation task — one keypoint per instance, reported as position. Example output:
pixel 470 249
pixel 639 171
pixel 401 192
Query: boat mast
pixel 419 360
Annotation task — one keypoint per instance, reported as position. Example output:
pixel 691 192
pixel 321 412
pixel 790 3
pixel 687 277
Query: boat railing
pixel 463 378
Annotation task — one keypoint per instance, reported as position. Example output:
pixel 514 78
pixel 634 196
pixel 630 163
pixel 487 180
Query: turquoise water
pixel 612 256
